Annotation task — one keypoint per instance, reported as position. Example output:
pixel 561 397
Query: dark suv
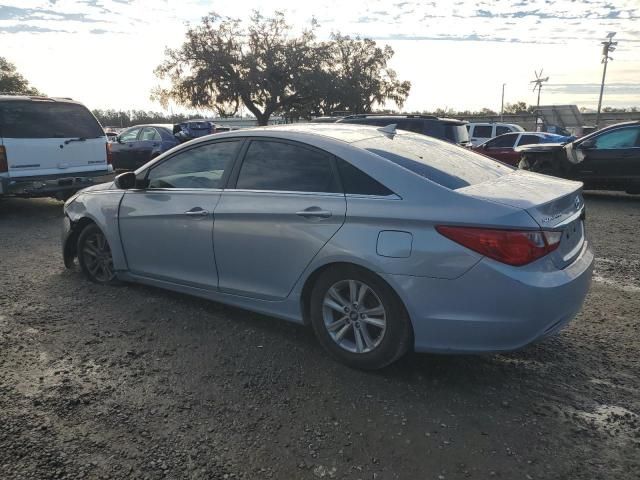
pixel 448 129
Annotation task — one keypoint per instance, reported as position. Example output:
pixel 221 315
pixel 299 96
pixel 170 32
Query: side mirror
pixel 118 139
pixel 125 181
pixel 587 144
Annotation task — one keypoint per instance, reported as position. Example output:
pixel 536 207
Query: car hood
pixel 98 187
pixel 540 147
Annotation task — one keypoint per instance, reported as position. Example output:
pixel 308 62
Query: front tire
pixel 359 319
pixel 94 256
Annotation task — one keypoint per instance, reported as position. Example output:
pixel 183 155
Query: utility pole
pixel 502 104
pixel 607 46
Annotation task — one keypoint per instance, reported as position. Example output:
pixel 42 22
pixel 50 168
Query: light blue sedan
pixel 381 240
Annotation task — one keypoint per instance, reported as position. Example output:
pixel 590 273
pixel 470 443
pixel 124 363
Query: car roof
pixel 340 132
pixel 453 121
pixel 157 125
pixel 37 98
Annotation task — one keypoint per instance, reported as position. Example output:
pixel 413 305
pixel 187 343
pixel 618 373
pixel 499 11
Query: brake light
pixel 4 165
pixel 109 154
pixel 513 247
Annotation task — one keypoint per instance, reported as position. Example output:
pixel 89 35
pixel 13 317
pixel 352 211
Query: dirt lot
pixel 134 382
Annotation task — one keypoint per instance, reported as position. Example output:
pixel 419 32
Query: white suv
pixel 49 147
pixel 481 132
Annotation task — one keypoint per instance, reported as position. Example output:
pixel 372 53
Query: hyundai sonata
pixel 381 240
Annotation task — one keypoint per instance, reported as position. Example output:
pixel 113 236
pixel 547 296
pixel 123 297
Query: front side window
pixel 623 138
pixel 47 119
pixel 198 167
pixel 271 165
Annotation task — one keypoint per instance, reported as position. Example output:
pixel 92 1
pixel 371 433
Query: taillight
pixel 4 165
pixel 513 247
pixel 109 154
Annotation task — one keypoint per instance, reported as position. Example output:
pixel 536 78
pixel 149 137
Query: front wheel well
pixel 71 244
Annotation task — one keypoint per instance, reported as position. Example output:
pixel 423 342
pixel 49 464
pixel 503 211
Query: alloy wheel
pixel 354 316
pixel 97 257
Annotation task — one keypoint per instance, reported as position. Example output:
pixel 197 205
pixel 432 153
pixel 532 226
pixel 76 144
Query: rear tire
pixel 94 256
pixel 359 319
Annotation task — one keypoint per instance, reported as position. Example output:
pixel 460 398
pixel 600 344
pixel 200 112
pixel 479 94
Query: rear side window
pixel 482 131
pixel 271 165
pixel 505 141
pixel 502 130
pixel 448 165
pixel 356 182
pixel 46 119
pixel 529 140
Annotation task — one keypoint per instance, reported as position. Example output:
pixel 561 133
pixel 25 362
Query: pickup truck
pixel 608 159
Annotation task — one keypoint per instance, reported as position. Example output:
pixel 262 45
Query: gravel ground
pixel 135 382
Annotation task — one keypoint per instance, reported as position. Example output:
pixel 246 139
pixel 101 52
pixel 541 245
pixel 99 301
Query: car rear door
pixel 48 137
pixel 282 206
pixel 167 228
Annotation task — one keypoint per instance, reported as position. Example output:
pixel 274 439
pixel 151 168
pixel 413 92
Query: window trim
pixel 225 176
pixel 235 173
pixel 137 135
pixel 151 128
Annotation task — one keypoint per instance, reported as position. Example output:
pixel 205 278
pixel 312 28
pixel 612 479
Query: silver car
pixel 381 240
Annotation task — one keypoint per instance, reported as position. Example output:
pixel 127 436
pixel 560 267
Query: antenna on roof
pixel 388 129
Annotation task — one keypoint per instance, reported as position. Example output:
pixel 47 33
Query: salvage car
pixel 608 159
pixel 381 240
pixel 503 146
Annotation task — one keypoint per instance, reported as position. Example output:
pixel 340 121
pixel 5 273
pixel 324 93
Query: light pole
pixel 502 104
pixel 607 46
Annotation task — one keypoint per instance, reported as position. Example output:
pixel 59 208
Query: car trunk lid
pixel 555 204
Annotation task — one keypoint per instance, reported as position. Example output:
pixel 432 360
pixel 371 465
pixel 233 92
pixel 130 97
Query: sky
pixel 457 54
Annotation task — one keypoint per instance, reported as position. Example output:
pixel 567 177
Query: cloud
pixel 594 88
pixel 29 29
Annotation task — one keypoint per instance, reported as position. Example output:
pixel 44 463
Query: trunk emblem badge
pixel 576 202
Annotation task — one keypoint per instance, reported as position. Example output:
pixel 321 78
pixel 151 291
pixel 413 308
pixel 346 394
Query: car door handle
pixel 314 212
pixel 197 212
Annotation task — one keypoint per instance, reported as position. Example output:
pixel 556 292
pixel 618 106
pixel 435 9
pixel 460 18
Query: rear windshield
pixel 443 163
pixel 456 133
pixel 44 119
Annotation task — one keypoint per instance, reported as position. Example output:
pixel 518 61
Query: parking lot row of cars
pixel 55 146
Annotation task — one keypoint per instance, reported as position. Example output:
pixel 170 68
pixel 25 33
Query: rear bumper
pixel 494 307
pixel 50 185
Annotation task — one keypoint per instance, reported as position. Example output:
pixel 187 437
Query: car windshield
pixel 456 133
pixel 448 165
pixel 46 119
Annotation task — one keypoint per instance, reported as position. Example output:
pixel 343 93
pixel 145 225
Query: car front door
pixel 167 228
pixel 613 156
pixel 282 206
pixel 122 150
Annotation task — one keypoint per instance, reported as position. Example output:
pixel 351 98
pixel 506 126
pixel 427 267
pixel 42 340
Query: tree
pixel 224 63
pixel 12 82
pixel 518 107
